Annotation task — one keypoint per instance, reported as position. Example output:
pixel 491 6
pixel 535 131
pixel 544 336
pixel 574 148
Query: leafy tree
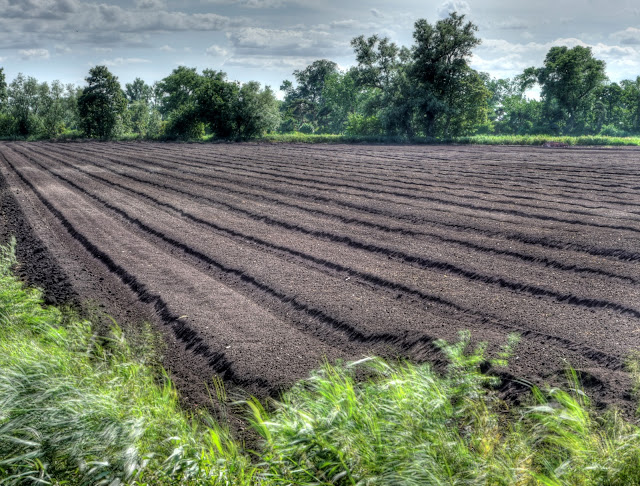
pixel 53 109
pixel 3 89
pixel 102 103
pixel 343 97
pixel 440 67
pixel 568 79
pixel 138 91
pixel 215 98
pixel 305 101
pixel 255 111
pixel 24 99
pixel 138 117
pixel 71 114
pixel 630 104
pixel 178 89
pixel 378 61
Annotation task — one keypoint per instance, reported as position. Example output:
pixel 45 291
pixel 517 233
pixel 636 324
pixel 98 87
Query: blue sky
pixel 265 40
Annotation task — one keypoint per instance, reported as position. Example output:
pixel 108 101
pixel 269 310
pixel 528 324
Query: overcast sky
pixel 265 40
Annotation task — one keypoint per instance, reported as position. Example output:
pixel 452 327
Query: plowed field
pixel 257 261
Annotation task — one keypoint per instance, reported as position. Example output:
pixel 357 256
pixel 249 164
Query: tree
pixel 102 103
pixel 178 89
pixel 255 111
pixel 378 61
pixel 138 117
pixel 53 109
pixel 138 91
pixel 304 101
pixel 24 99
pixel 3 90
pixel 215 97
pixel 630 100
pixel 440 66
pixel 568 80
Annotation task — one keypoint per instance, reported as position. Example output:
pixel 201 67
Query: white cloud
pixel 261 62
pixel 256 41
pixel 261 3
pixel 150 4
pixel 119 61
pixel 217 51
pixel 166 48
pixel 62 49
pixel 450 6
pixel 349 24
pixel 507 59
pixel 255 37
pixel 102 49
pixel 249 3
pixel 34 53
pixel 376 13
pixel 629 36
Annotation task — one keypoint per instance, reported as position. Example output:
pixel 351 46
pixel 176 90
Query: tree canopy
pixel 101 104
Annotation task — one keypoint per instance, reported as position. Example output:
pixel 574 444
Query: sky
pixel 266 40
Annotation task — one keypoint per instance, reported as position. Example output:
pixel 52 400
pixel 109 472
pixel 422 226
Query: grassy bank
pixel 76 408
pixel 595 140
pixel 526 140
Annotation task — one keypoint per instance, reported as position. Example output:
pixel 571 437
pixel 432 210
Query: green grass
pixel 76 408
pixel 80 408
pixel 586 140
pixel 474 139
pixel 297 137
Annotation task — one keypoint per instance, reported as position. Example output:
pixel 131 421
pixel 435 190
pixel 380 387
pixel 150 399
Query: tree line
pixel 425 90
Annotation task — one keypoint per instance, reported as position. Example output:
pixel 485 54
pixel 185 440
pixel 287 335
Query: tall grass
pixel 78 408
pixel 409 425
pixel 81 409
pixel 588 140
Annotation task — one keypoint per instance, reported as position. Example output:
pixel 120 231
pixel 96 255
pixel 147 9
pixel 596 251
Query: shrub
pixel 306 128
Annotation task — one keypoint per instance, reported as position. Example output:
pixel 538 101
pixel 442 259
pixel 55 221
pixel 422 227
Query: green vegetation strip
pixel 587 140
pixel 79 408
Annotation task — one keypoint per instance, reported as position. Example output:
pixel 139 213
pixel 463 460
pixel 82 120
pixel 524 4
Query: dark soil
pixel 257 261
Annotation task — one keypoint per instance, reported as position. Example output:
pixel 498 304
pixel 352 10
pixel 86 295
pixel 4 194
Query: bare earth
pixel 257 261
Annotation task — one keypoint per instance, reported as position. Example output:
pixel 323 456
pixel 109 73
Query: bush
pixel 306 128
pixel 184 123
pixel 613 131
pixel 366 126
pixel 287 126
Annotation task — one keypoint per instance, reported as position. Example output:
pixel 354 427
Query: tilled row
pixel 264 282
pixel 414 221
pixel 394 184
pixel 387 179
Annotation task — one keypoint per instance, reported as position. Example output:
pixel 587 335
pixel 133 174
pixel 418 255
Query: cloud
pixel 62 49
pixel 39 9
pixel 451 6
pixel 256 41
pixel 31 23
pixel 150 4
pixel 166 48
pixel 217 51
pixel 376 13
pixel 507 59
pixel 349 24
pixel 119 61
pixel 250 3
pixel 261 62
pixel 261 3
pixel 629 36
pixel 29 54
